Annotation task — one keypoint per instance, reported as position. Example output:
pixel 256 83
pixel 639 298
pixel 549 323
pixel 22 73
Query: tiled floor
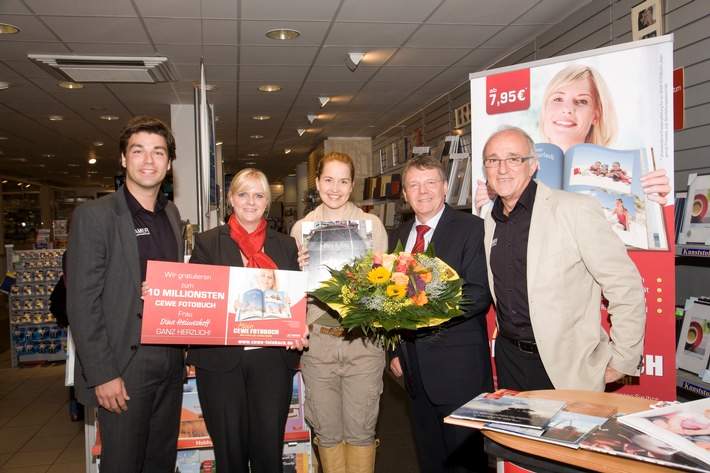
pixel 36 435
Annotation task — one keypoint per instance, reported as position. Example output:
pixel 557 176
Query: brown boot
pixel 332 459
pixel 360 459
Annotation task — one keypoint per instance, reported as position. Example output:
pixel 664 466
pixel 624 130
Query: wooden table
pixel 578 458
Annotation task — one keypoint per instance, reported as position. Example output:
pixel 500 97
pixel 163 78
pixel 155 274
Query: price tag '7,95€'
pixel 508 92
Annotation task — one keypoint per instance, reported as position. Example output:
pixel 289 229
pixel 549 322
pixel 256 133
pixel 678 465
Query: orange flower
pixel 424 273
pixel 420 299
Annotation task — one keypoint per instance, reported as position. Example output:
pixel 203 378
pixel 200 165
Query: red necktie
pixel 419 242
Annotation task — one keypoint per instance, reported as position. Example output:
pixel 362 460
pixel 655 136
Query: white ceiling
pixel 416 50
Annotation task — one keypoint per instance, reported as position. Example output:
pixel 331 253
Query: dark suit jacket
pixel 104 289
pixel 455 362
pixel 217 247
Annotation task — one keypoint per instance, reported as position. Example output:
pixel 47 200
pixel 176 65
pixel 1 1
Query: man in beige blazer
pixel 551 255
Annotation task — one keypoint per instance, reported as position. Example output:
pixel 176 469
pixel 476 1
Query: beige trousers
pixel 343 383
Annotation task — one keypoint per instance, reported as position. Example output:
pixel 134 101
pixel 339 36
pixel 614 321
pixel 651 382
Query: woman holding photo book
pixel 577 108
pixel 245 392
pixel 342 371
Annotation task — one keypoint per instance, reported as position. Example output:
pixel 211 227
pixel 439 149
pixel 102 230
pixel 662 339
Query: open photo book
pixel 612 177
pixel 263 304
pixel 685 426
pixel 613 438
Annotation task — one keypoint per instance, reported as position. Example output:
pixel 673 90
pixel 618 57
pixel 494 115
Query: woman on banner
pixel 342 371
pixel 577 108
pixel 245 392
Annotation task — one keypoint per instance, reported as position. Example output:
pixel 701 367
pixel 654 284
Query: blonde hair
pixel 602 133
pixel 245 180
pixel 275 287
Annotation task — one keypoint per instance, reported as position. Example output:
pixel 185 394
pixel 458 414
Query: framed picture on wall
pixel 647 19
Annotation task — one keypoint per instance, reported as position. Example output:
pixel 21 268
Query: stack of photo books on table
pixel 558 422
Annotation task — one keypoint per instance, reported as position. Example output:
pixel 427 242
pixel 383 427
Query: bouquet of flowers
pixel 381 293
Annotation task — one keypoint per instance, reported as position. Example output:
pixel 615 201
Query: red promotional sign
pixel 199 304
pixel 508 92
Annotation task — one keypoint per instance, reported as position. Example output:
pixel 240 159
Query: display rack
pixel 195 453
pixel 35 336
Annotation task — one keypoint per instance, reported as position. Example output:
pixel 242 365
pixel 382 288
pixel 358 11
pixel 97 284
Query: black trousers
pixel 245 411
pixel 441 448
pixel 143 439
pixel 519 370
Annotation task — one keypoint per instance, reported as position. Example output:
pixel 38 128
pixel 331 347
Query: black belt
pixel 524 345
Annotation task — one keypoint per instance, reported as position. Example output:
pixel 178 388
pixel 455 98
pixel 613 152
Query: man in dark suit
pixel 138 388
pixel 446 366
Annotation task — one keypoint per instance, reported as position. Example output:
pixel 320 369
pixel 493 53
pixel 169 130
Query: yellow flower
pixel 396 291
pixel 379 275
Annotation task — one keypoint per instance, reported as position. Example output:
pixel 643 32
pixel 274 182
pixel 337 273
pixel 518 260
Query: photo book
pixel 263 304
pixel 685 426
pixel 612 177
pixel 693 350
pixel 695 227
pixel 332 245
pixel 617 439
pixel 532 413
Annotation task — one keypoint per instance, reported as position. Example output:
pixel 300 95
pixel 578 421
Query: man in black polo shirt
pixel 551 254
pixel 138 388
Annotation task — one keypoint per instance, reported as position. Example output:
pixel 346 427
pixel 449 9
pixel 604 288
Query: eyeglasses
pixel 513 162
pixel 415 186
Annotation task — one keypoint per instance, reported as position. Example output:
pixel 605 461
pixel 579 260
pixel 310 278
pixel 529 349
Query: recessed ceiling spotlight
pixel 323 100
pixel 47 155
pixel 250 163
pixel 109 117
pixel 219 143
pixel 98 143
pixel 283 34
pixel 261 117
pixel 6 28
pixel 92 161
pixel 353 59
pixel 98 109
pixel 5 85
pixel 287 150
pixel 70 85
pixel 256 137
pixel 253 155
pixel 73 165
pixel 56 118
pixel 269 88
pixel 300 131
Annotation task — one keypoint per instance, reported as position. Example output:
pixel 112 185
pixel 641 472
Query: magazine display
pixel 685 426
pixel 332 245
pixel 609 175
pixel 526 412
pixel 617 439
pixel 266 304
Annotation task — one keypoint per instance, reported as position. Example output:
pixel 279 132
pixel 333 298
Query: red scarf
pixel 251 244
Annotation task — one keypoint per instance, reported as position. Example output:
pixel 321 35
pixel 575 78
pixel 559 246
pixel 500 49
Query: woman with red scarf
pixel 245 392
